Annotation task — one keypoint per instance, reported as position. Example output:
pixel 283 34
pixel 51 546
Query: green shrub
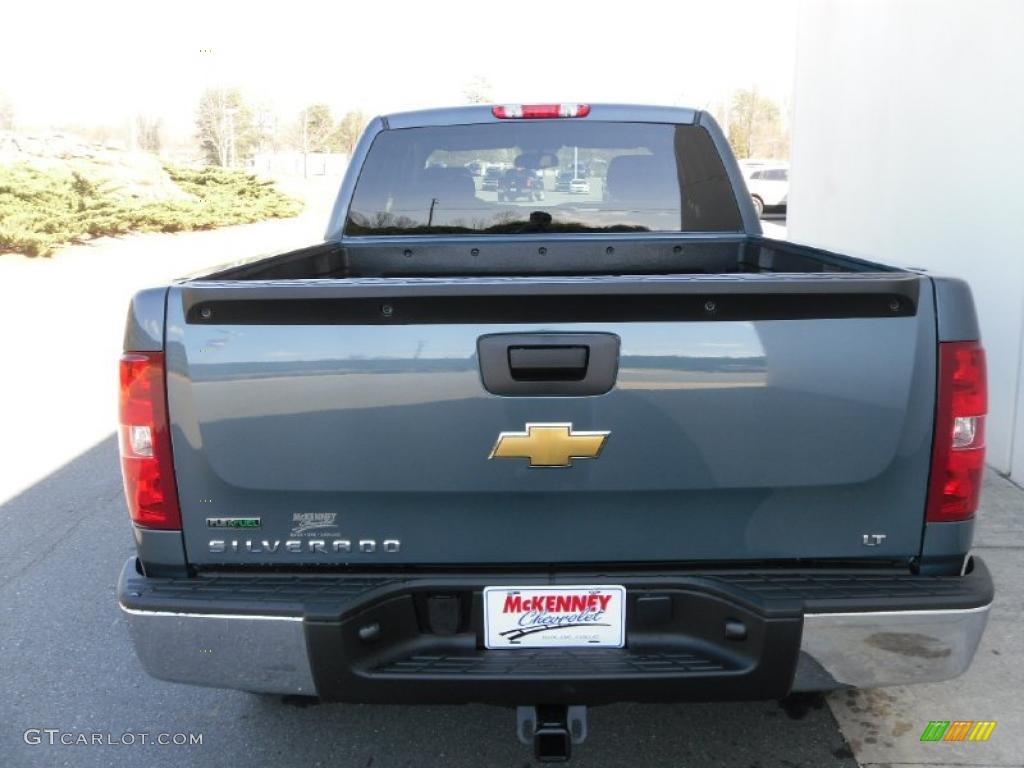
pixel 41 210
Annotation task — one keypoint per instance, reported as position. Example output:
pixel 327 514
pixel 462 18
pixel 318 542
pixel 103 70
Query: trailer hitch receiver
pixel 552 729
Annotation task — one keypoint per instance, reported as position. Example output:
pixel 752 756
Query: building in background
pixel 908 147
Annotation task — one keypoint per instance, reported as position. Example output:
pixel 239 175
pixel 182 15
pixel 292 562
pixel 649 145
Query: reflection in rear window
pixel 640 177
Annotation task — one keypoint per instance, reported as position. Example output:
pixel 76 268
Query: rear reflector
pixel 145 443
pixel 958 452
pixel 539 111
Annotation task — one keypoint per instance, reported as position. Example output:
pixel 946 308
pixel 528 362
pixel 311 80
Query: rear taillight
pixel 145 443
pixel 958 453
pixel 539 111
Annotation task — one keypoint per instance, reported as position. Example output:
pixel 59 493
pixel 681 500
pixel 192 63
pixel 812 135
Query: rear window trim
pixel 532 237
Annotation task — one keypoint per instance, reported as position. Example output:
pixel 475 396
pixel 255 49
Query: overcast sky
pixel 101 62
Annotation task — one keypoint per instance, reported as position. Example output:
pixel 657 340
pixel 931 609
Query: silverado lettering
pixel 298 546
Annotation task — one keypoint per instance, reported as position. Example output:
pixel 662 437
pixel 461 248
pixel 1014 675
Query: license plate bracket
pixel 572 616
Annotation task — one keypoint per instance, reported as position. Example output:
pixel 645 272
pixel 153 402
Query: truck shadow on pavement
pixel 70 666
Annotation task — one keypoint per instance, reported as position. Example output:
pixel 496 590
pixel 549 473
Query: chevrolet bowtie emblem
pixel 549 445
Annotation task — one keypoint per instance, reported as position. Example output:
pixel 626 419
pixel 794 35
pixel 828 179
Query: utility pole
pixel 232 153
pixel 305 143
pixel 222 137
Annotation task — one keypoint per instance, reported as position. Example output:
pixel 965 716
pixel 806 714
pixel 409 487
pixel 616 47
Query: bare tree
pixel 478 91
pixel 148 132
pixel 755 127
pixel 348 131
pixel 224 126
pixel 6 112
pixel 265 128
pixel 318 130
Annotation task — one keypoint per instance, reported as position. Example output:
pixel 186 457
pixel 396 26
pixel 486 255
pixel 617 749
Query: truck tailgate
pixel 752 417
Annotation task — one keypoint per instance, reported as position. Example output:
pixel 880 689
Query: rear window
pixel 641 177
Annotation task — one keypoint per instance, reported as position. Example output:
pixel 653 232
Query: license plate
pixel 554 617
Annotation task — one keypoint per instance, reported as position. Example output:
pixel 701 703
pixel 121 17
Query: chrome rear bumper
pixel 837 650
pixel 263 654
pixel 370 643
pixel 869 650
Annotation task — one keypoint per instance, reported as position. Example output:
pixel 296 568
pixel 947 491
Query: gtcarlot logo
pixel 57 737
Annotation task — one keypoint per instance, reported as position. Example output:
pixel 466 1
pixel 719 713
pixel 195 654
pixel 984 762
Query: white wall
pixel 908 147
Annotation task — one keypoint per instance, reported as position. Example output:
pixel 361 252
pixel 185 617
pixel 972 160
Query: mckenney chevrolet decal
pixel 313 523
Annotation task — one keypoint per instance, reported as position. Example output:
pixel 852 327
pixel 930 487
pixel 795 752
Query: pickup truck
pixel 552 455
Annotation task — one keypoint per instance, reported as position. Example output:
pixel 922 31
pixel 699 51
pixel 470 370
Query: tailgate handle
pixel 548 363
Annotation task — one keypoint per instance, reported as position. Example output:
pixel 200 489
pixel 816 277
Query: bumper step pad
pixel 553 663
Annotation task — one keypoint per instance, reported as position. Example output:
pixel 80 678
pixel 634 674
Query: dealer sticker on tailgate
pixel 554 617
